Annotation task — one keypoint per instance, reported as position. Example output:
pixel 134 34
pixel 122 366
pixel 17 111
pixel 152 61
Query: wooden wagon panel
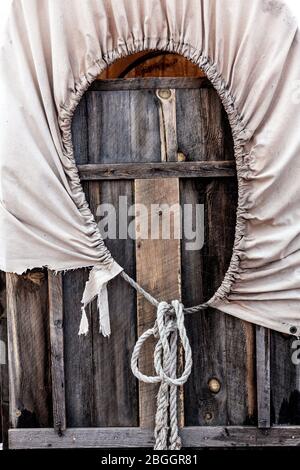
pixel 214 336
pixel 259 384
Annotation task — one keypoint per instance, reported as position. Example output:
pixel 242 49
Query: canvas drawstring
pixel 168 329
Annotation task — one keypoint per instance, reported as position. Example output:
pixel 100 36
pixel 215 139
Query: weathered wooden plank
pixel 150 83
pixel 78 361
pixel 201 169
pixel 80 132
pixel 224 391
pixel 143 122
pixel 152 64
pixel 158 271
pixel 285 379
pixel 4 392
pixel 196 437
pixel 203 269
pixel 200 126
pixel 263 377
pixel 57 350
pixel 115 388
pixel 108 126
pixel 28 350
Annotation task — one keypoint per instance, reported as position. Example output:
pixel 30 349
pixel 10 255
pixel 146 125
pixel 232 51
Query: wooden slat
pixel 28 350
pixel 152 64
pixel 203 269
pixel 149 83
pixel 223 346
pixel 57 350
pixel 157 260
pixel 195 437
pixel 80 132
pixel 114 386
pixel 263 377
pixel 285 380
pixel 77 354
pixel 158 271
pixel 4 392
pixel 200 169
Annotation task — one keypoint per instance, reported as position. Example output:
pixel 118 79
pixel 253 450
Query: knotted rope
pixel 169 324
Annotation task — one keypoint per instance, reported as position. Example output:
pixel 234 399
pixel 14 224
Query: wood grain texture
pixel 285 380
pixel 78 363
pixel 158 271
pixel 152 64
pixel 150 84
pixel 193 437
pixel 223 347
pixel 55 293
pixel 28 350
pixel 78 360
pixel 115 388
pixel 4 392
pixel 263 377
pixel 114 171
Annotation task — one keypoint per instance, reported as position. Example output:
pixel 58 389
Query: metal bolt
pixel 164 94
pixel 293 330
pixel 214 385
pixel 181 157
pixel 208 416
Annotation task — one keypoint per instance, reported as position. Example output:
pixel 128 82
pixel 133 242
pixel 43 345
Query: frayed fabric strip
pixel 96 286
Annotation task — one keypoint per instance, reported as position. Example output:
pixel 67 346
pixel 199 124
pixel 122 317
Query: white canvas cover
pixel 51 52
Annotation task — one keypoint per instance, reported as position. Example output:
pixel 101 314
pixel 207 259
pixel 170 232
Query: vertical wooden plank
pixel 115 389
pixel 157 260
pixel 77 353
pixel 4 394
pixel 80 132
pixel 158 271
pixel 223 346
pixel 263 377
pixel 78 362
pixel 285 383
pixel 28 340
pixel 57 350
pixel 202 269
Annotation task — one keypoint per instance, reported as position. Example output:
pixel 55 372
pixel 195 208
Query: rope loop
pixel 168 327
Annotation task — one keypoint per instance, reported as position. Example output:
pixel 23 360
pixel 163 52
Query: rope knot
pixel 168 326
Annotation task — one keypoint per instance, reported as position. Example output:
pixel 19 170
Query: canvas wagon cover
pixel 51 52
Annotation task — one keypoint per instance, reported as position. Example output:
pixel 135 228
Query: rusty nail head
pixel 208 416
pixel 214 385
pixel 164 93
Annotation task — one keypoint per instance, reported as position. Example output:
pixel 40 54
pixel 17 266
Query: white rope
pixel 168 326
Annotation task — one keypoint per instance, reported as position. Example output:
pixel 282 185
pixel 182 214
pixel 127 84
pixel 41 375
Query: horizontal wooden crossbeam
pixel 200 436
pixel 114 171
pixel 149 83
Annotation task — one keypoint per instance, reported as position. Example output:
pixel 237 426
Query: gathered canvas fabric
pixel 50 53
